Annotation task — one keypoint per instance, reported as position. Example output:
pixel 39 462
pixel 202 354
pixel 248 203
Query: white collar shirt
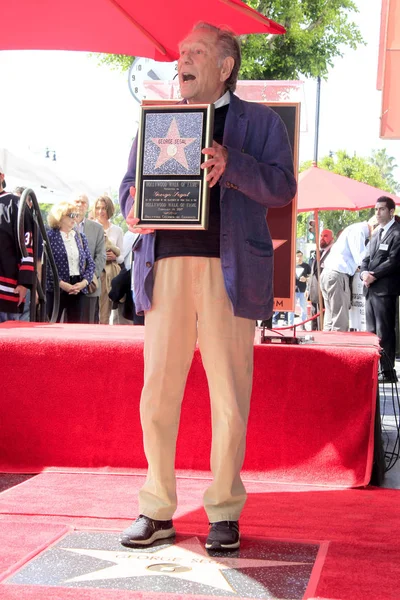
pixel 81 226
pixel 225 99
pixel 386 228
pixel 348 251
pixel 72 251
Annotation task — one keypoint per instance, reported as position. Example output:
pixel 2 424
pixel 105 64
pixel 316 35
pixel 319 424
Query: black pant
pixel 314 311
pixel 90 308
pixel 71 303
pixel 380 312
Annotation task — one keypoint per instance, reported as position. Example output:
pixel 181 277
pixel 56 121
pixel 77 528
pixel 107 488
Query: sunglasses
pixel 72 215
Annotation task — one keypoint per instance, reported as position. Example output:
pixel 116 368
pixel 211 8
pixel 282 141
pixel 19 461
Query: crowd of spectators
pixel 94 262
pixel 363 263
pixel 89 251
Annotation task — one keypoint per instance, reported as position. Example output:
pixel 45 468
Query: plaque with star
pixel 171 187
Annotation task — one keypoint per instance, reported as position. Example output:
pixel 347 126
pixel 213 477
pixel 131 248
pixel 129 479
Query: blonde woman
pixel 103 210
pixel 74 262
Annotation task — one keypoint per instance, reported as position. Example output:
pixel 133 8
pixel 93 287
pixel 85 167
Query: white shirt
pixel 225 99
pixel 81 226
pixel 72 252
pixel 116 236
pixel 347 253
pixel 129 240
pixel 386 228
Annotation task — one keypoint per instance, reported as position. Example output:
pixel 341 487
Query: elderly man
pixel 16 271
pixel 208 286
pixel 95 237
pixel 326 242
pixel 380 272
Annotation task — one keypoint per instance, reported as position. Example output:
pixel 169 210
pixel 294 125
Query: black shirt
pixel 302 270
pixel 197 243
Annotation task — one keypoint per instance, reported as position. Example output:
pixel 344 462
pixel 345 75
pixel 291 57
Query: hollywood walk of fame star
pixel 172 146
pixel 186 560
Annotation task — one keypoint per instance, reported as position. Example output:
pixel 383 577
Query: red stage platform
pixel 70 398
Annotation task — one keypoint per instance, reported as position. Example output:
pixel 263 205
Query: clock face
pixel 145 69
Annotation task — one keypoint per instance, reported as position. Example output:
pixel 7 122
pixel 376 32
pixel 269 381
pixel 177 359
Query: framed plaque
pixel 171 187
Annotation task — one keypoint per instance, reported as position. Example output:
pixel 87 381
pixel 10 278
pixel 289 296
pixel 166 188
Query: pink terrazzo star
pixel 172 146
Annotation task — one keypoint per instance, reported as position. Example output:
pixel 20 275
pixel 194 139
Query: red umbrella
pixel 320 189
pixel 135 27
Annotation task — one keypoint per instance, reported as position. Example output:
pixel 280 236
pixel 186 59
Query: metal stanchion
pixel 28 202
pixel 397 330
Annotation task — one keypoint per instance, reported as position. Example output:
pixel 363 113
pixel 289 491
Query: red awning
pixel 320 189
pixel 150 29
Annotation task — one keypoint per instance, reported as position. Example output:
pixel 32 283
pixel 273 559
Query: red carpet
pixel 70 398
pixel 21 543
pixel 361 527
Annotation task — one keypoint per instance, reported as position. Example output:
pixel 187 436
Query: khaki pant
pixel 105 302
pixel 335 288
pixel 190 303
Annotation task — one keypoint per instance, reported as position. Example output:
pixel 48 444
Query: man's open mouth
pixel 188 77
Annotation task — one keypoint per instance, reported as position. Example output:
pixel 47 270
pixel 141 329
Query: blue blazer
pixel 259 175
pixel 86 262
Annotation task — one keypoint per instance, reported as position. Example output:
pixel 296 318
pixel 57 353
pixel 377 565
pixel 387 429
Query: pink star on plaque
pixel 172 146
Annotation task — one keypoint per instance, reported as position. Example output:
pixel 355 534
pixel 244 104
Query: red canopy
pixel 135 27
pixel 320 189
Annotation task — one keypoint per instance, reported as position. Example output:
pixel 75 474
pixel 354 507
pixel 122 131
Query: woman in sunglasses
pixel 73 260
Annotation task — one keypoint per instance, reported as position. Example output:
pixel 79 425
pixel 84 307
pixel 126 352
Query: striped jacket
pixel 14 268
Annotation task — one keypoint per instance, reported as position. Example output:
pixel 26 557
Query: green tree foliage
pixel 44 209
pixel 355 167
pixel 117 62
pixel 118 218
pixel 386 166
pixel 317 31
pixel 336 220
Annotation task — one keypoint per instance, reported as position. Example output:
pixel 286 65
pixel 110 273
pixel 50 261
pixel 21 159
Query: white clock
pixel 145 69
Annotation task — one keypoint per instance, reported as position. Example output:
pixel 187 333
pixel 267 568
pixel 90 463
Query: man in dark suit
pixel 94 233
pixel 380 272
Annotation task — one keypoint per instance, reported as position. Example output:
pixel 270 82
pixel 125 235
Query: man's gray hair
pixel 80 196
pixel 228 45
